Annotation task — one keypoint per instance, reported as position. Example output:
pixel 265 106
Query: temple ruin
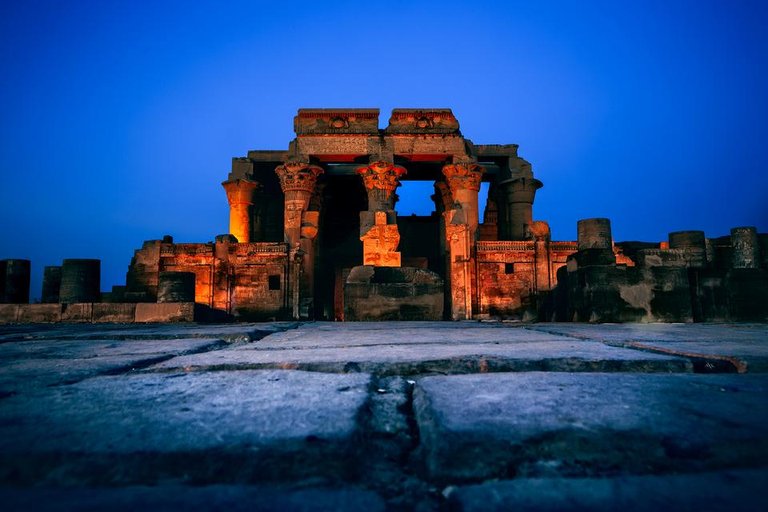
pixel 314 233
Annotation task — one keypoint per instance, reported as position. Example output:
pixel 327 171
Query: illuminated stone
pixel 240 198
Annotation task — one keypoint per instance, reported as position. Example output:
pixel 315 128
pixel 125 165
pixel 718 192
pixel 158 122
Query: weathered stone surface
pixel 211 427
pixel 728 490
pixel 114 313
pixel 409 348
pixel 232 498
pixel 400 293
pixel 82 425
pixel 35 364
pixel 561 424
pixel 242 332
pixel 80 312
pixel 165 312
pixel 35 313
pixel 734 347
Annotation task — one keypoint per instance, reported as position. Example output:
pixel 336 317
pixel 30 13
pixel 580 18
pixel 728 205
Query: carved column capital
pixel 381 175
pixel 299 176
pixel 239 191
pixel 463 176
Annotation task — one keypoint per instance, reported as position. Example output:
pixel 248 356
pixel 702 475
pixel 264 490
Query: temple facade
pixel 314 229
pixel 314 233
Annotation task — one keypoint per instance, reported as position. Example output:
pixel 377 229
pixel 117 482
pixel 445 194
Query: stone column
pixel 541 236
pixel 693 244
pixel 464 181
pixel 240 198
pixel 459 246
pixel 380 180
pixel 745 248
pixel 594 234
pixel 298 180
pixel 519 194
pixel 378 225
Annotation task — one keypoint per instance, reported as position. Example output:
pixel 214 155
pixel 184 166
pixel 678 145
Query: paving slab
pixel 34 364
pixel 173 498
pixel 564 424
pixel 409 348
pixel 711 347
pixel 205 427
pixel 734 491
pixel 243 332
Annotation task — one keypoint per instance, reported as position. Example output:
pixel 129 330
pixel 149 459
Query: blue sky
pixel 118 120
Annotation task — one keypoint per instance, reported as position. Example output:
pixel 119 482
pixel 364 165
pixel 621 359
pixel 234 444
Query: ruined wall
pixel 688 279
pixel 248 280
pixel 505 277
pixel 514 277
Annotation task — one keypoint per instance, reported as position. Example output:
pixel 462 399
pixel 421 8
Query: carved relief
pixel 463 176
pixel 380 243
pixel 298 176
pixel 381 175
pixel 321 121
pixel 407 120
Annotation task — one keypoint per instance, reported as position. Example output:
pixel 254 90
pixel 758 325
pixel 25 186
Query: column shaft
pixel 240 198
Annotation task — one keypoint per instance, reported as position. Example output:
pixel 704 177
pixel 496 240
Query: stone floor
pixel 384 416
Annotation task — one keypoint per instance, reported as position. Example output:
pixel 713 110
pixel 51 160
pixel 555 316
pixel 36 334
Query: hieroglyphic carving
pixel 380 243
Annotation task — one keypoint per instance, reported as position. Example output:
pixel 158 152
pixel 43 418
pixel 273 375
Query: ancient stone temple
pixel 315 231
pixel 315 234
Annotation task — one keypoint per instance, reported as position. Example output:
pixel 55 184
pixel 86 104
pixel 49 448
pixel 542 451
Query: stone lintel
pixel 268 155
pixel 418 120
pixel 313 121
pixel 242 168
pixel 496 150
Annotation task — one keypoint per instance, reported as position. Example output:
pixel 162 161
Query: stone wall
pixel 103 313
pixel 392 293
pixel 247 280
pixel 689 279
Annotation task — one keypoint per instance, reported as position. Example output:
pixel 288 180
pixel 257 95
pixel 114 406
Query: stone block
pixel 590 257
pixel 732 490
pixel 9 313
pixel 393 293
pixel 647 258
pixel 165 312
pixel 711 297
pixel 747 290
pixel 560 424
pixel 671 294
pixel 194 498
pixel 39 313
pixel 77 312
pixel 330 121
pixel 214 427
pixel 115 312
pixel 418 120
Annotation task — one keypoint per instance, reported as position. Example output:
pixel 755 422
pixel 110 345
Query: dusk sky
pixel 118 120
